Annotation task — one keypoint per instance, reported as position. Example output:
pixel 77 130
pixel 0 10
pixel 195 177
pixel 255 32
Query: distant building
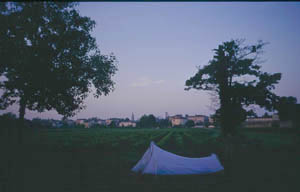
pixel 198 119
pixel 83 122
pixel 86 125
pixel 115 120
pixel 55 123
pixel 69 122
pixel 199 126
pixel 177 120
pixel 167 115
pixel 127 124
pixel 173 117
pixel 286 124
pixel 210 120
pixel 132 117
pixel 108 121
pixel 92 121
pixel 262 122
pixel 80 121
pixel 101 122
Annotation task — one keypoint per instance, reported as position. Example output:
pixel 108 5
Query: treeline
pixel 150 121
pixel 10 120
pixel 146 121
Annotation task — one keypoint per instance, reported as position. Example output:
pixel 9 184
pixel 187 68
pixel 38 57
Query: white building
pixel 101 122
pixel 197 118
pixel 177 120
pixel 127 124
pixel 262 121
pixel 80 121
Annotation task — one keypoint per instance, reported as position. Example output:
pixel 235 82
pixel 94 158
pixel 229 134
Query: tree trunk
pixel 22 110
pixel 225 115
pixel 229 150
pixel 227 127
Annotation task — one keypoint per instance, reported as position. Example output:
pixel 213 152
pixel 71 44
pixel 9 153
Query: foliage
pixel 164 123
pixel 147 121
pixel 234 74
pixel 297 115
pixel 49 60
pixel 9 116
pixel 286 107
pixel 266 115
pixel 41 123
pixel 113 124
pixel 190 123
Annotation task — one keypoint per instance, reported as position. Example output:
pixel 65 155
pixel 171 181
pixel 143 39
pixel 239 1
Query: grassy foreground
pixel 101 159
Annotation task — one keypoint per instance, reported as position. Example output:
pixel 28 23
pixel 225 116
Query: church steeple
pixel 132 117
pixel 167 115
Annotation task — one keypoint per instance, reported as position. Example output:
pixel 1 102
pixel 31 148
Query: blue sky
pixel 159 45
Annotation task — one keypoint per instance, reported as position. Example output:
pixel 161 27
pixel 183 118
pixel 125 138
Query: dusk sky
pixel 159 46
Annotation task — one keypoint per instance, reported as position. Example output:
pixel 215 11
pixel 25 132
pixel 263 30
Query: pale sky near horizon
pixel 159 45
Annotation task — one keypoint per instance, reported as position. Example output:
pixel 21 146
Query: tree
pixel 234 74
pixel 286 107
pixel 113 124
pixel 49 60
pixel 164 123
pixel 190 123
pixel 147 121
pixel 296 116
pixel 8 115
pixel 266 115
pixel 41 123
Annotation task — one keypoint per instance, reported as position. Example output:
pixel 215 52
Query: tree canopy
pixel 286 107
pixel 190 123
pixel 235 75
pixel 49 60
pixel 147 121
pixel 164 123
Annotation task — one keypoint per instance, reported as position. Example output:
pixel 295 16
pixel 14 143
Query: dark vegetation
pixel 234 75
pixel 95 159
pixel 147 121
pixel 49 60
pixel 288 109
pixel 190 123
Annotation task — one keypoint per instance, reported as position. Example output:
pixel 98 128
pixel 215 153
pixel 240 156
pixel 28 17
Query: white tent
pixel 157 161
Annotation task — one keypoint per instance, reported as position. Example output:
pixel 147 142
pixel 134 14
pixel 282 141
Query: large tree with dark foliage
pixel 190 123
pixel 234 74
pixel 164 123
pixel 48 58
pixel 286 107
pixel 147 121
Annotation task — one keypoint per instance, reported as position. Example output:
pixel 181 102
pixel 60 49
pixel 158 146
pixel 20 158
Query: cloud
pixel 145 81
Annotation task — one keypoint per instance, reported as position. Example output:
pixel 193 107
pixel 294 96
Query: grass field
pixel 101 159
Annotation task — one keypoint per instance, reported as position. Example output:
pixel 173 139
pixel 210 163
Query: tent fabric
pixel 157 161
